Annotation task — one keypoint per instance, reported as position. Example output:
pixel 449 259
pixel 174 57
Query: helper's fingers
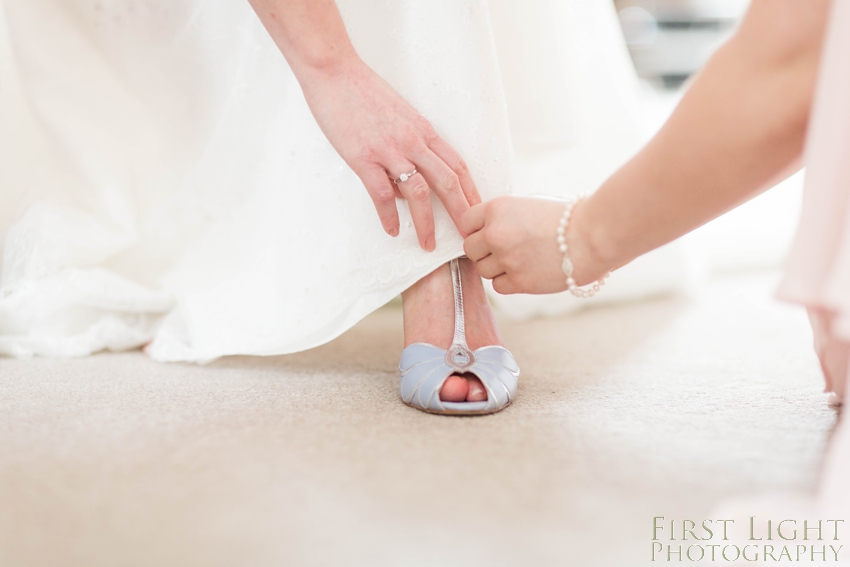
pixel 476 247
pixel 504 284
pixel 444 182
pixel 451 158
pixel 418 196
pixel 380 188
pixel 489 268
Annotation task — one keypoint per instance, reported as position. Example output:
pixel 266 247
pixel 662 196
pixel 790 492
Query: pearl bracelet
pixel 567 264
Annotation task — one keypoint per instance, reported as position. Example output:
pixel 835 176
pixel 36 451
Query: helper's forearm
pixel 310 34
pixel 741 123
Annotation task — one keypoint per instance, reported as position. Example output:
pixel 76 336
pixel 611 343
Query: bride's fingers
pixel 418 195
pixel 474 219
pixel 475 247
pixel 451 158
pixel 489 268
pixel 444 182
pixel 381 189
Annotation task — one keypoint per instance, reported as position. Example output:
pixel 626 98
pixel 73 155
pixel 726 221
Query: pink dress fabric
pixel 818 277
pixel 818 271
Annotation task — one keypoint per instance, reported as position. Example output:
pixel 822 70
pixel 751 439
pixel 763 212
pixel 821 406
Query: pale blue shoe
pixel 424 368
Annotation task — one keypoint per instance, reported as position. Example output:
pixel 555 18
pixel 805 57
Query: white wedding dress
pixel 163 179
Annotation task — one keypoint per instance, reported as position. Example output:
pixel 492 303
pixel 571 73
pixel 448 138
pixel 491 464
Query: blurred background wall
pixel 670 40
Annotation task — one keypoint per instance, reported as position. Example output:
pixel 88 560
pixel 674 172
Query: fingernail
pixel 430 245
pixel 393 231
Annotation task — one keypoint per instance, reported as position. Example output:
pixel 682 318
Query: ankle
pixel 429 309
pixel 430 287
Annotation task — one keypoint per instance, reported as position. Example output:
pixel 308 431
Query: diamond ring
pixel 404 177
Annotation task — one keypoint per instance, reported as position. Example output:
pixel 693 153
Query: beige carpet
pixel 624 413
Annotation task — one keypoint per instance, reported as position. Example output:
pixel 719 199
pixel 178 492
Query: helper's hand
pixel 513 241
pixel 381 136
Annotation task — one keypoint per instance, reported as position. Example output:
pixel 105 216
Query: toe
pixel 477 393
pixel 455 389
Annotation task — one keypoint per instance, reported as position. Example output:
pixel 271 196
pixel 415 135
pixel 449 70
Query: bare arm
pixel 376 132
pixel 309 33
pixel 741 125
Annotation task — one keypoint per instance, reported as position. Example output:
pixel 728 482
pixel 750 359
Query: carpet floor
pixel 658 408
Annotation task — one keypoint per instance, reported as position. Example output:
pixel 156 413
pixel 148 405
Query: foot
pixel 429 318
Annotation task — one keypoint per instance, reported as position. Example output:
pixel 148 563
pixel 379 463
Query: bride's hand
pixel 513 241
pixel 378 134
pixel 381 136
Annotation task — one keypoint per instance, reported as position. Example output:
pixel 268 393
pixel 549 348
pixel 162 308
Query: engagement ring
pixel 404 177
